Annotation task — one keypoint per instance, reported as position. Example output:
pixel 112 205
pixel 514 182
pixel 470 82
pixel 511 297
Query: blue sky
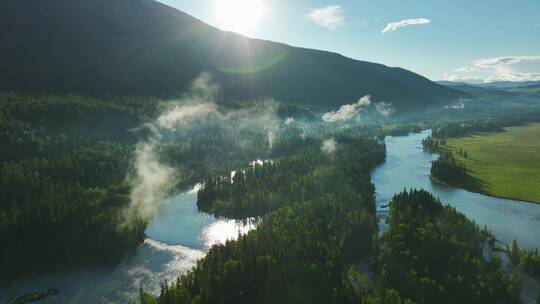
pixel 476 40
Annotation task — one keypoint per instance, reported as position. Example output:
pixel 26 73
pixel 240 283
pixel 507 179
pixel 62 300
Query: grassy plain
pixel 507 164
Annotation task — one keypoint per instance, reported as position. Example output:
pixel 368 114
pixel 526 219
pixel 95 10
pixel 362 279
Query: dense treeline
pixel 433 254
pixel 460 128
pixel 311 173
pixel 63 161
pixel 404 129
pixel 295 255
pixel 433 144
pixel 526 260
pixel 429 254
pixel 447 170
pixel 299 252
pixel 63 167
pixel 323 218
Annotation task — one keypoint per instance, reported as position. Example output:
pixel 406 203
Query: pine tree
pixel 514 252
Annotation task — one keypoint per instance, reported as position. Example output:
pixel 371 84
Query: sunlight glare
pixel 241 16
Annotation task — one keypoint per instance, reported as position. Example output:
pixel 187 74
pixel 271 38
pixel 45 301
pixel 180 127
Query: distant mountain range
pixel 529 89
pixel 495 89
pixel 497 84
pixel 142 47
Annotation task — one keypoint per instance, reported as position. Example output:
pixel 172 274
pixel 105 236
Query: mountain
pixel 493 85
pixel 479 91
pixel 495 89
pixel 449 83
pixel 142 47
pixel 509 84
pixel 529 89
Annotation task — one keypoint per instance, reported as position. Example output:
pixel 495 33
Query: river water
pixel 408 166
pixel 177 237
pixel 180 234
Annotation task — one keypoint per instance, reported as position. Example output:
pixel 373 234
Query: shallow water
pixel 408 166
pixel 177 237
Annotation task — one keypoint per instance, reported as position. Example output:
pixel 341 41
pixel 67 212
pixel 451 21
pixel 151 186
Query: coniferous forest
pixel 150 156
pixel 66 165
pixel 66 162
pixel 63 161
pixel 308 243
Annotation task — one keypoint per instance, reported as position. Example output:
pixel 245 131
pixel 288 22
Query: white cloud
pixel 392 26
pixel 465 69
pixel 506 68
pixel 348 111
pixel 460 77
pixel 331 16
pixel 507 60
pixel 511 68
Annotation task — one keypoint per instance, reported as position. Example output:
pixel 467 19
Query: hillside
pixel 530 89
pixel 479 91
pixel 510 84
pixel 142 47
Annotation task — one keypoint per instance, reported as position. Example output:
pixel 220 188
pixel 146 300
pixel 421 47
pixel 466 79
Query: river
pixel 408 166
pixel 180 234
pixel 176 238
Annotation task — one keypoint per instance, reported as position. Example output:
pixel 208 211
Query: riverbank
pixel 473 190
pixel 177 237
pixel 506 164
pixel 408 166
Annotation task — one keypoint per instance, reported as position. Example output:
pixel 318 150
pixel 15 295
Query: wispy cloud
pixel 465 69
pixel 331 16
pixel 392 26
pixel 506 68
pixel 506 61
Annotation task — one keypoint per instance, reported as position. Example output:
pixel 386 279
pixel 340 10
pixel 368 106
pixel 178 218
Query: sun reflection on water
pixel 222 230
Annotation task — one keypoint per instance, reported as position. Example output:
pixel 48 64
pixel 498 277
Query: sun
pixel 241 16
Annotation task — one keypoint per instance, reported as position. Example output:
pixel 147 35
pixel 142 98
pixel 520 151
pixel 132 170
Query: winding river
pixel 408 166
pixel 180 234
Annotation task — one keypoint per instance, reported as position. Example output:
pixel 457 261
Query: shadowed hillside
pixel 141 47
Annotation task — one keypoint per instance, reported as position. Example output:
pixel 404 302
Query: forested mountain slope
pixel 142 47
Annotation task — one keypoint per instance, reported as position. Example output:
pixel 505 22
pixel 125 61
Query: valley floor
pixel 507 164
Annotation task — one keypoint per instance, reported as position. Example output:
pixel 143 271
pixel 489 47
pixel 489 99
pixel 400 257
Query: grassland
pixel 507 164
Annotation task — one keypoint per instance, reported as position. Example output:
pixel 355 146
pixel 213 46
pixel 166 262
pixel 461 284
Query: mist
pixel 355 110
pixel 348 111
pixel 386 109
pixel 329 146
pixel 153 178
pixel 151 182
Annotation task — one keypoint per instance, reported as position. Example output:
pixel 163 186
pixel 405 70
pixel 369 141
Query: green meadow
pixel 507 164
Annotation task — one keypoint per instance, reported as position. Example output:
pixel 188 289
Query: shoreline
pixel 444 149
pixel 437 181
